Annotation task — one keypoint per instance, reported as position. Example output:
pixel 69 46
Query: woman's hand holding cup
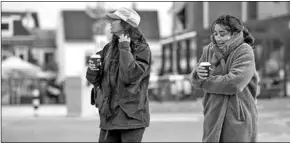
pixel 92 66
pixel 203 70
pixel 95 63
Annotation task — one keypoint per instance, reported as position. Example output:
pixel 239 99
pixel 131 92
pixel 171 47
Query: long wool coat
pixel 230 111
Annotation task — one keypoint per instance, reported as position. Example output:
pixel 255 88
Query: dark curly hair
pixel 233 24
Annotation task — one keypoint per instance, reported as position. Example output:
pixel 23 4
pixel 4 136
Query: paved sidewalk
pixel 164 127
pixel 155 108
pixel 170 121
pixel 60 110
pixel 28 111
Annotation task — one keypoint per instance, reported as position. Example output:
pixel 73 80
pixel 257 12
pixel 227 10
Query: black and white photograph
pixel 145 71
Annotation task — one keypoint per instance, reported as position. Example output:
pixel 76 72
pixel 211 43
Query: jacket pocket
pixel 100 101
pixel 133 88
pixel 127 91
pixel 205 101
pixel 241 112
pixel 132 109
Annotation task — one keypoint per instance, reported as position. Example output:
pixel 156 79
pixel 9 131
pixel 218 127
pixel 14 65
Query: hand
pixel 124 38
pixel 201 72
pixel 92 66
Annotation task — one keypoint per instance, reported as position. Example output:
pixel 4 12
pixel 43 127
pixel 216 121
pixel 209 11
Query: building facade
pixel 37 47
pixel 267 21
pixel 197 17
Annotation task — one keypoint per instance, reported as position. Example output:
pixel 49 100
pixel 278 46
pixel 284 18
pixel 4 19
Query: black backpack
pixel 94 95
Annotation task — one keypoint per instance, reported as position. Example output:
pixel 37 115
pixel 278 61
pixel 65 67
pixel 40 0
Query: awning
pixel 18 40
pixel 178 37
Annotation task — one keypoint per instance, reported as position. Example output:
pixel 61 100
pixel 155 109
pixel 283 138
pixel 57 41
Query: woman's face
pixel 221 35
pixel 115 26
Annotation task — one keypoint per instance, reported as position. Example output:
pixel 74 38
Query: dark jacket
pixel 123 83
pixel 230 111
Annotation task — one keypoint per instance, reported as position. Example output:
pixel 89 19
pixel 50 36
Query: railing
pixel 17 91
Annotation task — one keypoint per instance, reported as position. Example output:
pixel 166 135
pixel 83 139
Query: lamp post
pixel 29 23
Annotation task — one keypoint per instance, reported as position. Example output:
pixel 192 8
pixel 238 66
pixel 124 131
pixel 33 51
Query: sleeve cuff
pixel 92 72
pixel 201 81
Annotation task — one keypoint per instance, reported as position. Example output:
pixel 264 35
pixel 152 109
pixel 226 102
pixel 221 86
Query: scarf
pixel 224 50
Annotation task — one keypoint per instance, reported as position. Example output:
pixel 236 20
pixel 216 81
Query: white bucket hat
pixel 128 15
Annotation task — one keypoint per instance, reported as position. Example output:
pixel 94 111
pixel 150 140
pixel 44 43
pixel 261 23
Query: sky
pixel 49 11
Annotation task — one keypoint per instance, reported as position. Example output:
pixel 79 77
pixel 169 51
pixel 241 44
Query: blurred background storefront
pixel 269 23
pixel 55 61
pixel 28 59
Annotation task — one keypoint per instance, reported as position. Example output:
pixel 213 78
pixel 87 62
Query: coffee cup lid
pixel 96 56
pixel 205 64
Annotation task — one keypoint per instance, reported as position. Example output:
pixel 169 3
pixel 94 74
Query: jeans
pixel 129 135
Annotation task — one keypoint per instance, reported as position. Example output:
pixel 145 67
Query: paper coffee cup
pixel 96 58
pixel 206 65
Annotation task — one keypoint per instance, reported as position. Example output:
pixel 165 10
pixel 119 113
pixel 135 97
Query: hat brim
pixel 112 16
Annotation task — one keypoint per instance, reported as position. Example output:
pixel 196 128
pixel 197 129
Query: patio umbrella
pixel 17 65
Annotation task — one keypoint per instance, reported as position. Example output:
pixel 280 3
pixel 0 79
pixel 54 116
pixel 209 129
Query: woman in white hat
pixel 123 80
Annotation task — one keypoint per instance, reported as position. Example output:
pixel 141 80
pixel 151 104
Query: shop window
pixel 182 55
pixel 49 62
pixel 48 57
pixel 167 59
pixel 192 53
pixel 182 17
pixel 4 26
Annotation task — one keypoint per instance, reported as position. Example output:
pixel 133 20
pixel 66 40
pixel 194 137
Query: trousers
pixel 128 135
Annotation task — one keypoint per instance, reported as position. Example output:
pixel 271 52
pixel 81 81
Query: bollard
pixel 35 101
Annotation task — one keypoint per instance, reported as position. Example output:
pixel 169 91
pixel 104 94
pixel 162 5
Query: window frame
pixel 10 31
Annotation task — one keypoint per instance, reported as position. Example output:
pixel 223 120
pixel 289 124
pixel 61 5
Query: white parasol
pixel 15 64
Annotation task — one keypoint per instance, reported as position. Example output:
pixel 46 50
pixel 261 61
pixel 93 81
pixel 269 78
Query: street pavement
pixel 167 125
